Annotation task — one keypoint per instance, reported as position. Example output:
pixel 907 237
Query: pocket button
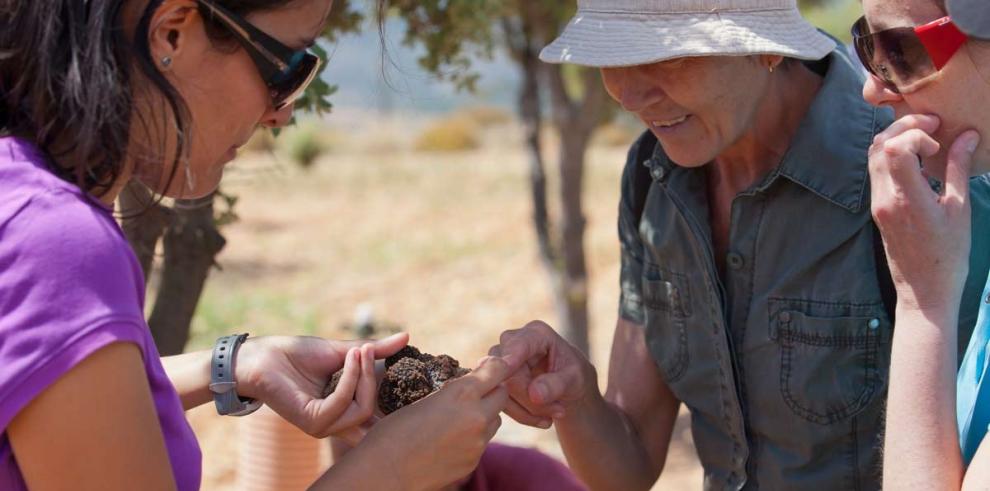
pixel 734 260
pixel 874 324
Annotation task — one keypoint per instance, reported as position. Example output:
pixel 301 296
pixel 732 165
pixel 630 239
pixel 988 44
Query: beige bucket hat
pixel 609 33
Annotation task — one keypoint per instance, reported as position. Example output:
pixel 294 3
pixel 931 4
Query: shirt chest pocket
pixel 667 302
pixel 831 368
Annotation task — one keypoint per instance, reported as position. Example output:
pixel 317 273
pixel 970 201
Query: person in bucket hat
pixel 929 60
pixel 753 283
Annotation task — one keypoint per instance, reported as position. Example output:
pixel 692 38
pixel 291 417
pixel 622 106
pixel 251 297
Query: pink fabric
pixel 507 468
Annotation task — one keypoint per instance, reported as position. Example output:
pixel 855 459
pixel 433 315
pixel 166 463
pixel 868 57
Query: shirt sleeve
pixel 70 286
pixel 631 245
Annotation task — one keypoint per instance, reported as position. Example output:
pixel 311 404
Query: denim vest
pixel 783 359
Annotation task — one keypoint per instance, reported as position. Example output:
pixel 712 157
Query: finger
pixel 900 161
pixel 367 387
pixel 519 346
pixel 336 403
pixel 907 147
pixel 354 415
pixel 959 166
pixel 523 416
pixel 495 401
pixel 391 345
pixel 518 387
pixel 552 386
pixel 925 122
pixel 490 373
pixel 495 350
pixel 518 383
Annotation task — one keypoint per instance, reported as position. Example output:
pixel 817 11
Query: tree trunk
pixel 575 122
pixel 191 244
pixel 563 258
pixel 572 288
pixel 525 51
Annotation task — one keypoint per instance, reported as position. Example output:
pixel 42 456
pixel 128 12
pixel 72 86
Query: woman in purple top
pixel 93 94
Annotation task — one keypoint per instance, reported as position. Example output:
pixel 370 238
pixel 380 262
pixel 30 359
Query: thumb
pixel 390 345
pixel 959 165
pixel 491 372
pixel 551 387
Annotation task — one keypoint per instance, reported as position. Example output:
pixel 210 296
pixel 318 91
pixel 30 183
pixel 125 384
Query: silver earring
pixel 771 68
pixel 166 61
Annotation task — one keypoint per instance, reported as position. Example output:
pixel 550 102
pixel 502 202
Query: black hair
pixel 67 73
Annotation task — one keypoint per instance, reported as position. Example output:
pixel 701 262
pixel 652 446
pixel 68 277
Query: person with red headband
pixel 933 69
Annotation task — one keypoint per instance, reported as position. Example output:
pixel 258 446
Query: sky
pixel 355 67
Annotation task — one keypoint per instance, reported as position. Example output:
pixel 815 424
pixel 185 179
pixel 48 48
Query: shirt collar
pixel 830 151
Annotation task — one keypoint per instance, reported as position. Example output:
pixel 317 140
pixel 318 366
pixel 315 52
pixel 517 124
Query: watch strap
pixel 222 381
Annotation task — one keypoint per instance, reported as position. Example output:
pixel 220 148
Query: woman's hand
pixel 926 235
pixel 289 374
pixel 439 439
pixel 549 375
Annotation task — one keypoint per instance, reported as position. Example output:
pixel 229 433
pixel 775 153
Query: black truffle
pixel 410 375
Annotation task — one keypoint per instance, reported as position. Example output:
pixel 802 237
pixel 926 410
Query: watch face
pixel 972 16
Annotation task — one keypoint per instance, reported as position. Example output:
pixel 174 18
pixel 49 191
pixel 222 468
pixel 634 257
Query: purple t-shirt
pixel 69 285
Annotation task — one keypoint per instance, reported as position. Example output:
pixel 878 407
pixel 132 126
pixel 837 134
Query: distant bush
pixel 449 134
pixel 486 116
pixel 303 144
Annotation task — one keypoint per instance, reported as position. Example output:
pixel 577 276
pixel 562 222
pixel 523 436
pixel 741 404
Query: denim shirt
pixel 782 360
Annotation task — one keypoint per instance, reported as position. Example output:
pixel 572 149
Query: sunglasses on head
pixel 286 72
pixel 903 57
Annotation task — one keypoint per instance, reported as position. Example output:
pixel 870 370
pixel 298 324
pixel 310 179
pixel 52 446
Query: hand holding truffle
pixel 289 374
pixel 440 438
pixel 549 375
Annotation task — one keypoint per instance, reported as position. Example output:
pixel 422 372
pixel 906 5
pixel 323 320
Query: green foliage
pixel 224 204
pixel 454 32
pixel 267 312
pixel 833 16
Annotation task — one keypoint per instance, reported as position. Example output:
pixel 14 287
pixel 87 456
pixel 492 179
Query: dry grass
pixel 438 243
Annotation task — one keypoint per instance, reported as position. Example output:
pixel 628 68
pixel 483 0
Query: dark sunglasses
pixel 286 72
pixel 903 57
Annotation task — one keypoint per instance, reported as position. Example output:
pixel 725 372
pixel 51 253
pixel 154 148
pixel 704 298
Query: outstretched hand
pixel 548 374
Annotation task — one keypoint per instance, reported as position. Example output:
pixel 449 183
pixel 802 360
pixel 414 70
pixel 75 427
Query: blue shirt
pixel 972 395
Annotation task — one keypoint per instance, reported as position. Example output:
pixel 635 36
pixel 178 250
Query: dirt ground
pixel 440 244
